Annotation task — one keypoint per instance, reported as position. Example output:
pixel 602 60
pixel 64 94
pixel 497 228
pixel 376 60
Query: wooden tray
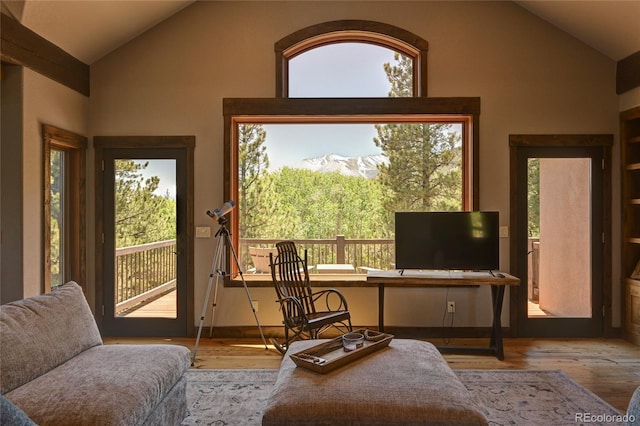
pixel 330 355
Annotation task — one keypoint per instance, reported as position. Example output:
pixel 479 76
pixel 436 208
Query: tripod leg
pixel 218 267
pixel 214 304
pixel 246 289
pixel 253 309
pixel 202 315
pixel 213 271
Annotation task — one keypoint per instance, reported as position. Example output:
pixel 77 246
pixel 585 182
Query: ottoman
pixel 406 383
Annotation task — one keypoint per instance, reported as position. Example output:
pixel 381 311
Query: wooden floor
pixel 610 368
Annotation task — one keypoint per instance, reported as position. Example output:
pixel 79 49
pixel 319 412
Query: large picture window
pixel 328 164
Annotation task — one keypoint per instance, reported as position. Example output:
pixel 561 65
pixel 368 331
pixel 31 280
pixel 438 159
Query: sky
pixel 343 70
pixel 290 143
pixel 166 171
pixel 336 70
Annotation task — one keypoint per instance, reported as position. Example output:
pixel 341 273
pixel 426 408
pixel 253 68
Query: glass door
pixel 145 238
pixel 560 241
pixel 144 290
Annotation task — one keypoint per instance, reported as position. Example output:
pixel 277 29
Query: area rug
pixel 508 397
pixel 521 397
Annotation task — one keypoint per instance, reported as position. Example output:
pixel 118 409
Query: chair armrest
pixel 288 300
pixel 331 297
pixel 293 311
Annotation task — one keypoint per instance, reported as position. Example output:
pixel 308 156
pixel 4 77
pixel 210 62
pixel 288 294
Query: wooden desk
pixel 410 278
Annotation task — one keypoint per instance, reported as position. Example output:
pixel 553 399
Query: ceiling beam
pixel 21 46
pixel 628 73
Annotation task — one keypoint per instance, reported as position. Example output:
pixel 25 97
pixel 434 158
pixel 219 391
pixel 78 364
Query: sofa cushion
pixel 173 408
pixel 107 384
pixel 42 332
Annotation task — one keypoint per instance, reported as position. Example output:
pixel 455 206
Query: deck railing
pixel 149 269
pixel 144 270
pixel 533 259
pixel 361 253
pixel 364 254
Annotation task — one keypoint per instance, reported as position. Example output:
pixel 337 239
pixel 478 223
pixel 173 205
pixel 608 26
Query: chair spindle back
pixel 291 275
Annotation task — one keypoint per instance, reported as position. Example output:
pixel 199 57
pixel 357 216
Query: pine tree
pixel 56 219
pixel 533 197
pixel 257 202
pixel 141 215
pixel 425 159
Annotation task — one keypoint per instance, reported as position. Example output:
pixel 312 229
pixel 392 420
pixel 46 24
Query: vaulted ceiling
pixel 611 27
pixel 90 29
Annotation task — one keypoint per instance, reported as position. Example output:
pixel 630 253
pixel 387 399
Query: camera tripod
pixel 218 266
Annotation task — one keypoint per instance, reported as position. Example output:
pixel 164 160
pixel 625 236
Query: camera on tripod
pixel 219 214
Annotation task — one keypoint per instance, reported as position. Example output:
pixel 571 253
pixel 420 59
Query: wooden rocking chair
pixel 298 302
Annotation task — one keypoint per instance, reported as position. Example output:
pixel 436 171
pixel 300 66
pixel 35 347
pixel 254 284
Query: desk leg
pixel 497 297
pixel 381 308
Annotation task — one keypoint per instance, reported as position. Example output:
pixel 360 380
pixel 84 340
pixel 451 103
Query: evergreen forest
pixel 142 216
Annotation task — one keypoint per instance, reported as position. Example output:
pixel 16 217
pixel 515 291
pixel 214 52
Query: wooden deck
pixel 162 307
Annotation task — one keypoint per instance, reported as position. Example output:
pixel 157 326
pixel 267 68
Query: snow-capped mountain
pixel 366 166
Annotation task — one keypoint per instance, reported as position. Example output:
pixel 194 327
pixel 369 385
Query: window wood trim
pixel 74 146
pixel 372 32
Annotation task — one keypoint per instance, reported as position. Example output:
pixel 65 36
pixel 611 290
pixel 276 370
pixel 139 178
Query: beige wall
pixel 11 221
pixel 45 102
pixel 531 77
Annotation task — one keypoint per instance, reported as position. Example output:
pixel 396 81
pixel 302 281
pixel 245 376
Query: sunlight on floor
pixel 256 346
pixel 534 310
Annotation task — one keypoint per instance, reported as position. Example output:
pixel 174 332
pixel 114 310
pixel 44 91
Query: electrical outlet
pixel 203 232
pixel 255 305
pixel 451 306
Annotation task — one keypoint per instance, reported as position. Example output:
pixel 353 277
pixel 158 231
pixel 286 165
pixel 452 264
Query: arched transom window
pixel 340 50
